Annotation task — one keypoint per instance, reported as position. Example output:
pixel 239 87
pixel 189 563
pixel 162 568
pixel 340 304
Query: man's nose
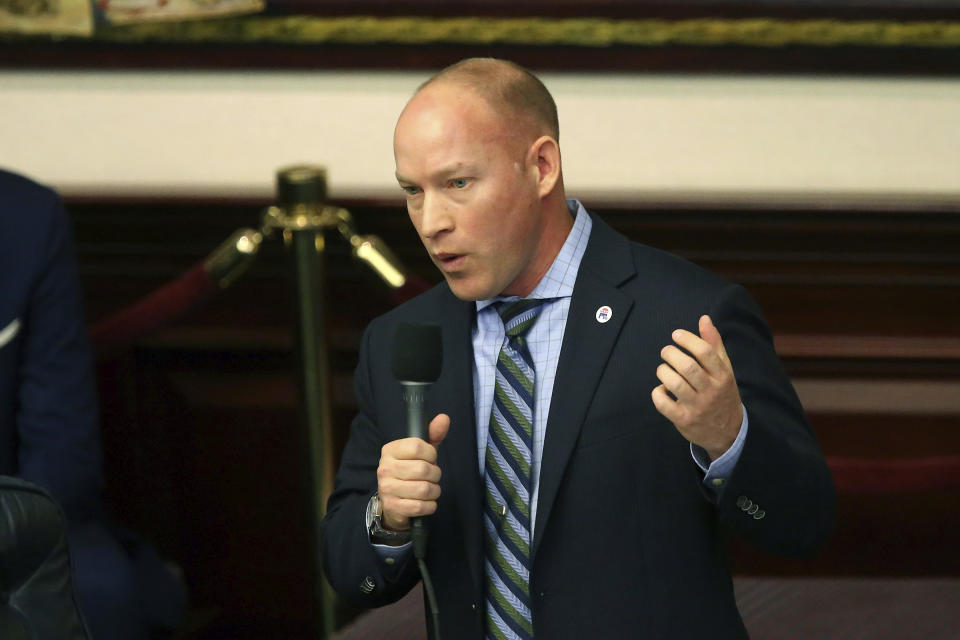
pixel 435 216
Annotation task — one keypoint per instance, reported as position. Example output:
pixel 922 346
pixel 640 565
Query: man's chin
pixel 468 290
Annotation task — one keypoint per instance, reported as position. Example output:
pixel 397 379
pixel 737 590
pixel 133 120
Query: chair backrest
pixel 37 599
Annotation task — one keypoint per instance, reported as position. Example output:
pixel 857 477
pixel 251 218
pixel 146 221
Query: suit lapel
pixel 587 344
pixel 453 395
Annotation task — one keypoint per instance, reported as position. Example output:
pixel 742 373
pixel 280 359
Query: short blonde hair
pixel 508 88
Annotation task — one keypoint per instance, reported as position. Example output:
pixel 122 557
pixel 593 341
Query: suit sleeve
pixel 353 566
pixel 780 496
pixel 57 416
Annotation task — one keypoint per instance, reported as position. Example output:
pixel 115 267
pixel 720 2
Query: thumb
pixel 709 333
pixel 438 429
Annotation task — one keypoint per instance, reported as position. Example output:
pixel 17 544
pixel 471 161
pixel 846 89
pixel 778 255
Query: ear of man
pixel 544 155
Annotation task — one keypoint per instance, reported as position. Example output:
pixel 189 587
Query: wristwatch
pixel 378 534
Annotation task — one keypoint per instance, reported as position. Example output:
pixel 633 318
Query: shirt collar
pixel 559 279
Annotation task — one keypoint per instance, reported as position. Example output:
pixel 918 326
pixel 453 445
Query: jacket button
pixel 368 585
pixel 759 515
pixel 741 501
pixel 753 509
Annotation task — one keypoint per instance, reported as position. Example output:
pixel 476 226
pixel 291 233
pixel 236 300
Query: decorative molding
pixel 575 32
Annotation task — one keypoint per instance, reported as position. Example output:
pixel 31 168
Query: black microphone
pixel 415 361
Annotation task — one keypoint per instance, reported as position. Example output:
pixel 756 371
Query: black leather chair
pixel 37 600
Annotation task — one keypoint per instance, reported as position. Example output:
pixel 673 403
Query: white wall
pixel 225 133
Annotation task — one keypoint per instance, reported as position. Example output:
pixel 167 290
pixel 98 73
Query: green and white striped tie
pixel 508 481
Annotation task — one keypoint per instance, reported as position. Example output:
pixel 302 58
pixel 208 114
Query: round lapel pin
pixel 604 314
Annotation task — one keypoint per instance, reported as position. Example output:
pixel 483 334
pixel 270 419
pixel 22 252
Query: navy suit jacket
pixel 627 542
pixel 49 427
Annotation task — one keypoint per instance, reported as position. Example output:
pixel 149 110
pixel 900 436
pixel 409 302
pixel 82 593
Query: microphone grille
pixel 417 352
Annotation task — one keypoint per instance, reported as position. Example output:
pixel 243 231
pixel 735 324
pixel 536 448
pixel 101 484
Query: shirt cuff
pixel 718 471
pixel 393 556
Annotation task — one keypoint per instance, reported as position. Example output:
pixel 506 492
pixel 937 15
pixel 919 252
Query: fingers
pixel 680 369
pixel 676 384
pixel 408 470
pixel 398 511
pixel 409 449
pixel 698 391
pixel 409 490
pixel 667 406
pixel 408 477
pixel 438 429
pixel 710 356
pixel 709 332
pixel 407 460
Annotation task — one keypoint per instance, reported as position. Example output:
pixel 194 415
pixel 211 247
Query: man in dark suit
pixel 49 427
pixel 591 444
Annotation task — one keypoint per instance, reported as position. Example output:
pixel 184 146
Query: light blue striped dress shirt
pixel 544 340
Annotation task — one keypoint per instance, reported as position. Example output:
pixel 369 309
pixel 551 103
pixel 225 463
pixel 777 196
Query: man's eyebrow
pixel 458 168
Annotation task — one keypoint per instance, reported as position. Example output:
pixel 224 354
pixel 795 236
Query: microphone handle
pixel 414 394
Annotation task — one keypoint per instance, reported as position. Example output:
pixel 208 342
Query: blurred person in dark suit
pixel 49 422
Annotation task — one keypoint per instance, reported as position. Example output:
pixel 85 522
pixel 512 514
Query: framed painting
pixel 758 36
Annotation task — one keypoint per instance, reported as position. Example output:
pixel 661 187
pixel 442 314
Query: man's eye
pixel 459 183
pixel 411 191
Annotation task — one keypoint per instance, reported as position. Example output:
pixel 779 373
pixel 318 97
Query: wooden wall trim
pixel 869 347
pixel 905 397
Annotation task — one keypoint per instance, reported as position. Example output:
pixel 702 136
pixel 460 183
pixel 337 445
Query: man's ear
pixel 544 154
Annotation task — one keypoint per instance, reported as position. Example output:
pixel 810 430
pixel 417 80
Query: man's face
pixel 472 193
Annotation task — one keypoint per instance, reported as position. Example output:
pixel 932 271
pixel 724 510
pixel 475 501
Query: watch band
pixel 378 534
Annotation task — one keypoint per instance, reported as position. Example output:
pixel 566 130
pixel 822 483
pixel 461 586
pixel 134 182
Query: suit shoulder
pixel 26 203
pixel 616 258
pixel 18 188
pixel 673 269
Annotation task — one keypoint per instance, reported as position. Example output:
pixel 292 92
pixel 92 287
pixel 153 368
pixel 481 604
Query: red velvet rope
pixel 175 298
pixel 154 310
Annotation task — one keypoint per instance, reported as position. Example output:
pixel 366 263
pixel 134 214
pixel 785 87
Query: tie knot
pixel 519 316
